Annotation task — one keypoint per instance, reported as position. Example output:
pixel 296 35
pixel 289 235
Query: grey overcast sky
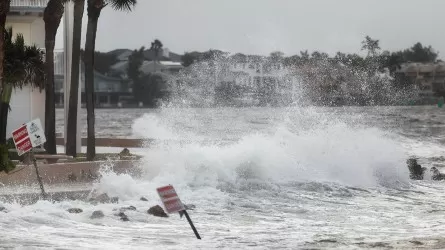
pixel 263 26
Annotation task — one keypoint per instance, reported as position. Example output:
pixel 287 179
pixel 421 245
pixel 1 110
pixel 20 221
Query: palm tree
pixel 94 8
pixel 51 16
pixel 4 9
pixel 156 46
pixel 79 6
pixel 372 46
pixel 22 65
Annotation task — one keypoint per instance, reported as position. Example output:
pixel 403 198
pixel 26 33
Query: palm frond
pixel 122 5
pixel 23 64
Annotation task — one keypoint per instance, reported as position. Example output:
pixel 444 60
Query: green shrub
pixel 5 163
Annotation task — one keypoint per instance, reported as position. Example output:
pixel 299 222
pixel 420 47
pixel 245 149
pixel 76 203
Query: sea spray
pixel 328 152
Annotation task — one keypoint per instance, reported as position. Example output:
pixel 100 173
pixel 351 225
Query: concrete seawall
pixel 72 172
pixel 112 142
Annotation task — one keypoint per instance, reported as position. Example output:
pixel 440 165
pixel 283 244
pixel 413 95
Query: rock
pixel 416 242
pixel 123 216
pixel 416 171
pixel 189 207
pixel 97 215
pixel 143 199
pixel 3 209
pixel 75 210
pixel 437 176
pixel 157 211
pixel 132 208
pixel 125 152
pixel 104 198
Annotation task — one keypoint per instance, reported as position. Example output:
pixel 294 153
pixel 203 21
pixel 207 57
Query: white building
pixel 26 17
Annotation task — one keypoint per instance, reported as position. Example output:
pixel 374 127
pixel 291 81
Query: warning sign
pixel 170 199
pixel 36 133
pixel 20 134
pixel 28 136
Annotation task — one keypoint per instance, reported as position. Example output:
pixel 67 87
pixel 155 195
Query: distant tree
pixel 239 57
pixel 304 56
pixel 135 61
pixel 319 56
pixel 292 60
pixel 276 56
pixel 341 57
pixel 102 61
pixel 356 61
pixel 188 59
pixel 156 46
pixel 214 54
pixel 419 53
pixel 371 46
pixel 391 61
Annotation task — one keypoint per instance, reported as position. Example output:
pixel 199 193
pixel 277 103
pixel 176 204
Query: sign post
pixel 173 204
pixel 27 137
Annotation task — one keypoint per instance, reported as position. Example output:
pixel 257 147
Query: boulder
pixel 131 208
pixel 125 152
pixel 436 175
pixel 104 198
pixel 416 171
pixel 3 209
pixel 123 216
pixel 157 211
pixel 143 199
pixel 97 215
pixel 75 210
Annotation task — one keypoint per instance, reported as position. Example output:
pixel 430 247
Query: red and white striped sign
pixel 20 134
pixel 21 140
pixel 170 199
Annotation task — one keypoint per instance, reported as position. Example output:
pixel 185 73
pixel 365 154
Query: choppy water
pixel 271 179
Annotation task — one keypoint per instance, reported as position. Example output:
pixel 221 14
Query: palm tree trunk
pixel 75 70
pixel 4 9
pixel 94 9
pixel 4 110
pixel 52 16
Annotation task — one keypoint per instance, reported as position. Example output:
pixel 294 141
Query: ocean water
pixel 260 178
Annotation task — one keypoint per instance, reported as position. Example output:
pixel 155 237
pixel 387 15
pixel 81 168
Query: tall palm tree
pixel 94 8
pixel 4 9
pixel 22 65
pixel 52 16
pixel 79 6
pixel 156 46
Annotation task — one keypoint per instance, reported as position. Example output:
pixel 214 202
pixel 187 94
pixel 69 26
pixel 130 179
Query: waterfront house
pixel 428 77
pixel 109 91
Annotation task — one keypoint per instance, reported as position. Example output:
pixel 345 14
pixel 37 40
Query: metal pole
pixel 38 175
pixel 191 224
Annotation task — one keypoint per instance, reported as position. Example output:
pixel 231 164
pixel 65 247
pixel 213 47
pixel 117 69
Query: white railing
pixel 29 3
